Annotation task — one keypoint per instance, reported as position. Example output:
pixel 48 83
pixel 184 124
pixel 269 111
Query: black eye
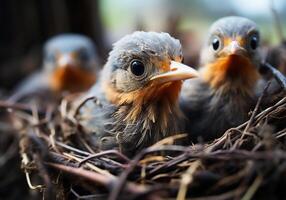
pixel 216 43
pixel 253 42
pixel 137 68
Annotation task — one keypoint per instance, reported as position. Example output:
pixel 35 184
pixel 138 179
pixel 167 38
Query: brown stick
pixel 108 152
pixel 105 181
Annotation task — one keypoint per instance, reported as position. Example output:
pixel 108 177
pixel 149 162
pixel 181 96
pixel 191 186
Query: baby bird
pixel 69 66
pixel 226 90
pixel 276 56
pixel 137 95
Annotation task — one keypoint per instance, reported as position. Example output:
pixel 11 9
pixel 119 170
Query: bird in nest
pixel 69 66
pixel 229 81
pixel 137 94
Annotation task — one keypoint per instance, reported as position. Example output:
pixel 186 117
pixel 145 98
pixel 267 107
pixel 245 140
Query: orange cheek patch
pixel 164 66
pixel 178 59
pixel 72 79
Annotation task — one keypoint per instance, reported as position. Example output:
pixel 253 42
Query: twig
pixel 256 109
pixel 108 152
pixel 16 106
pixel 187 178
pixel 279 77
pixel 25 161
pixel 79 106
pixel 72 148
pixel 253 188
pixel 122 179
pixel 93 167
pixel 88 148
pixel 97 178
pixel 92 196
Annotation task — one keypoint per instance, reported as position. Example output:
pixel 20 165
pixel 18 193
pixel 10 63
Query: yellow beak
pixel 178 71
pixel 234 48
pixel 66 60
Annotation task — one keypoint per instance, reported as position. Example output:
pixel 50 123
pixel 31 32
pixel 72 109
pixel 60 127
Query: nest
pixel 246 162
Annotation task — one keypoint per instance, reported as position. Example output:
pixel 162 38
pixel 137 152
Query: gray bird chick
pixel 227 88
pixel 137 95
pixel 69 65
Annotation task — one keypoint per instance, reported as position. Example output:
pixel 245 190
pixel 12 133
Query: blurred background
pixel 26 25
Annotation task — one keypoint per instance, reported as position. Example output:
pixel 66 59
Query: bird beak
pixel 178 71
pixel 66 60
pixel 234 48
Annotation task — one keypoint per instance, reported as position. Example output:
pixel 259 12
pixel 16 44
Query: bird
pixel 136 98
pixel 69 65
pixel 228 84
pixel 276 56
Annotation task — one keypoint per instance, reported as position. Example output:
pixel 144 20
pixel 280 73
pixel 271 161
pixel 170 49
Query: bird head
pixel 70 60
pixel 145 68
pixel 231 53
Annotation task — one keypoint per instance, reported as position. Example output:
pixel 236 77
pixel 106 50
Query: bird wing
pixel 36 83
pixel 277 87
pixel 211 112
pixel 95 116
pixel 195 93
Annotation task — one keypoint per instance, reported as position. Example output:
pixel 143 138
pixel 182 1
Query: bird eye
pixel 137 68
pixel 216 43
pixel 253 43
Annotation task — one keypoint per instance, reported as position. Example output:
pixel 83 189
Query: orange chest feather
pixel 146 99
pixel 72 80
pixel 232 71
pixel 147 94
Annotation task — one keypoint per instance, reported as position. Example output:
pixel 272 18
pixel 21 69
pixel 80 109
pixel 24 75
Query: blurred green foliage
pixel 121 17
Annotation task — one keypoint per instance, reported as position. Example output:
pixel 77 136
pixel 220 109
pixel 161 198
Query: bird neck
pixel 145 116
pixel 231 73
pixel 71 80
pixel 155 102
